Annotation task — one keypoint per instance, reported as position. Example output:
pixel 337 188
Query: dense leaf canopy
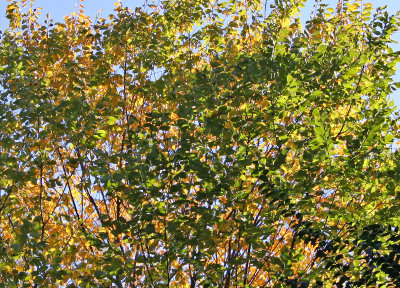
pixel 199 143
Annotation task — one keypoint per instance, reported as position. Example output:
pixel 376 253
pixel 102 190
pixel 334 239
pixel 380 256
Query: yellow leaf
pixel 68 230
pixel 175 264
pixel 173 116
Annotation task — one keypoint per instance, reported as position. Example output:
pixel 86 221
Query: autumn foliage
pixel 199 143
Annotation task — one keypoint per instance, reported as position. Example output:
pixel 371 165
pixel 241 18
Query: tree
pixel 199 144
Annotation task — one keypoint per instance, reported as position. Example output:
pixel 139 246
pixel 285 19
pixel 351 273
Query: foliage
pixel 199 144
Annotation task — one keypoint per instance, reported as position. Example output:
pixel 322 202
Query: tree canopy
pixel 200 143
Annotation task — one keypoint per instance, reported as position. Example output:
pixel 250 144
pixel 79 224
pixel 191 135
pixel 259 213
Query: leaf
pixel 111 121
pixel 100 134
pixel 389 138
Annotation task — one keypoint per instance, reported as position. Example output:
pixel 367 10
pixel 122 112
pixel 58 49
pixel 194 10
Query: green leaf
pixel 100 134
pixel 389 138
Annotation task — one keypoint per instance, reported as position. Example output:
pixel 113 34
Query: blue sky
pixel 59 8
